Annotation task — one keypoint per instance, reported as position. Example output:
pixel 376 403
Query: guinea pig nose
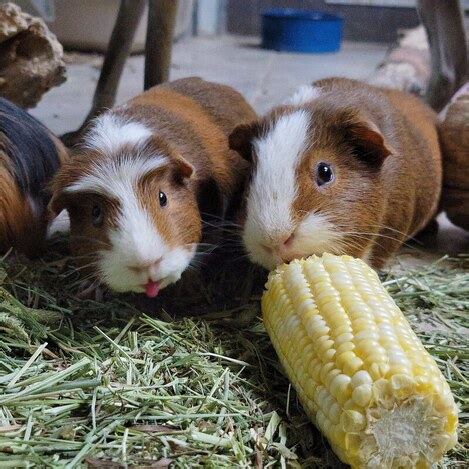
pixel 143 266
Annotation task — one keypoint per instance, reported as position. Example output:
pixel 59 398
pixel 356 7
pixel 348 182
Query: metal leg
pixel 444 23
pixel 160 31
pixel 128 18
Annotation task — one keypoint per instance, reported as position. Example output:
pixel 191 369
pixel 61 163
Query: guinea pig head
pixel 315 183
pixel 133 215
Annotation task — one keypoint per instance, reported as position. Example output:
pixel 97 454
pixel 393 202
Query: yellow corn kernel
pixel 361 373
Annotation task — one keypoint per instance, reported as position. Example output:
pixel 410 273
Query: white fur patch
pixel 304 94
pixel 274 187
pixel 115 272
pixel 110 132
pixel 315 234
pixel 116 178
pixel 109 176
pixel 136 238
pixel 135 242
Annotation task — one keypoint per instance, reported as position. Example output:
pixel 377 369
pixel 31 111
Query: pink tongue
pixel 152 289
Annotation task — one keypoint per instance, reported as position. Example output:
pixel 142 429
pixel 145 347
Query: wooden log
pixel 406 67
pixel 31 57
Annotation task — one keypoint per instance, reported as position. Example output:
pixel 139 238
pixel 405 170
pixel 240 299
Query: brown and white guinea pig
pixel 146 173
pixel 29 157
pixel 345 168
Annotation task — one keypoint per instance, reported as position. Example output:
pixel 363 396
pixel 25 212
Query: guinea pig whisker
pixel 233 243
pixel 233 235
pixel 90 287
pixel 238 245
pixel 388 228
pixel 222 223
pixel 403 243
pixel 406 244
pixel 344 246
pixel 222 219
pixel 375 242
pixel 357 241
pixel 242 257
pixel 84 256
pixel 87 238
pixel 90 264
pixel 203 247
pixel 213 223
pixel 407 237
pixel 195 265
pixel 200 255
pixel 352 241
pixel 377 236
pixel 84 267
pixel 91 257
pixel 92 278
pixel 212 215
pixel 221 228
pixel 367 235
pixel 209 247
pixel 385 227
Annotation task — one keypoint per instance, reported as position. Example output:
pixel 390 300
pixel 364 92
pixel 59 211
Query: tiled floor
pixel 264 77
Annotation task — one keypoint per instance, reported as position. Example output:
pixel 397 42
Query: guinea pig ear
pixel 240 139
pixel 58 200
pixel 183 169
pixel 368 142
pixel 56 205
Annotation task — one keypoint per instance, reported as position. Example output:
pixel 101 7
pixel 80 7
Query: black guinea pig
pixel 29 157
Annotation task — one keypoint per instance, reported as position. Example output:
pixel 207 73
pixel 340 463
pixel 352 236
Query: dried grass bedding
pixel 189 381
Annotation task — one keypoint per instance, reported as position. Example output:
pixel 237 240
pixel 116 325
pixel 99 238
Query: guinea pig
pixel 29 157
pixel 344 167
pixel 147 172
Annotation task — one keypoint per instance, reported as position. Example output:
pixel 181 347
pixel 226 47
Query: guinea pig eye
pixel 324 174
pixel 97 215
pixel 163 199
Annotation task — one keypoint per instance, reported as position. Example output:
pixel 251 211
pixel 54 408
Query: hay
pixel 100 384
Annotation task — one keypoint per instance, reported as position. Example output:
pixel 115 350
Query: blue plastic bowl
pixel 290 30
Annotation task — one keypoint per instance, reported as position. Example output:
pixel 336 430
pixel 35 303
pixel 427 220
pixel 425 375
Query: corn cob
pixel 361 373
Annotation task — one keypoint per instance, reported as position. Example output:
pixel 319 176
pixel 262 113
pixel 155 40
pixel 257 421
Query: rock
pixel 30 57
pixel 407 66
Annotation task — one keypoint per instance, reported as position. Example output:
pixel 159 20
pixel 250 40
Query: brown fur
pixel 192 131
pixel 15 214
pixel 62 151
pixel 21 227
pixel 384 148
pixel 190 120
pixel 86 237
